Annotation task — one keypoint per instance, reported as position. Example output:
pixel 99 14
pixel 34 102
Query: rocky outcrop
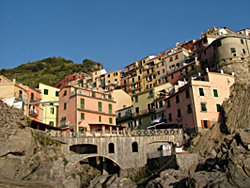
pixel 30 159
pixel 111 182
pixel 224 151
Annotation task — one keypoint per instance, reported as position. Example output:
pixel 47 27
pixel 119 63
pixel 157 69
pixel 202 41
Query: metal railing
pixel 155 132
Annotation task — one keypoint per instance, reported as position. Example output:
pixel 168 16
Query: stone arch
pixel 104 163
pixel 84 148
pixel 134 147
pixel 156 146
pixel 111 147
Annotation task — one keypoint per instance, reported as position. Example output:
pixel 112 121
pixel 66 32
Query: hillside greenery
pixel 49 70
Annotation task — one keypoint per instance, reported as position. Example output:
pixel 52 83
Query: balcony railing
pixel 131 133
pixel 144 112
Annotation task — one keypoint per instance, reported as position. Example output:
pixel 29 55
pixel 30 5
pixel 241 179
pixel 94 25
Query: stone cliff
pixel 30 159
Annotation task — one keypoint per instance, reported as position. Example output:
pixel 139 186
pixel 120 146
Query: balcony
pixel 144 113
pixel 123 118
pixel 33 113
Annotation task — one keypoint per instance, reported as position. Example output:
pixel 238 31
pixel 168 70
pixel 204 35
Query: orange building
pixel 86 111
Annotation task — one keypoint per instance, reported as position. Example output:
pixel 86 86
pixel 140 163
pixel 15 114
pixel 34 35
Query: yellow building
pixel 50 98
pixel 14 89
pixel 143 104
pixel 112 79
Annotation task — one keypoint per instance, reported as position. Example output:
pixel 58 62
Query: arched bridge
pixel 128 150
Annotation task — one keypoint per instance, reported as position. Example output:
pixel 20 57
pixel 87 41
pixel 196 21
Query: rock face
pixel 30 159
pixel 111 182
pixel 224 150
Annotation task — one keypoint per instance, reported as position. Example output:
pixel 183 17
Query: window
pixel 187 94
pixel 32 96
pixel 109 96
pixel 168 104
pixel 65 106
pixel 110 108
pixel 179 113
pixel 218 43
pixel 203 107
pixel 186 70
pixel 65 93
pixel 244 51
pixel 57 93
pixel 134 147
pixel 82 116
pixel 177 98
pixel 233 50
pixel 45 92
pixel 136 98
pixel 82 103
pixel 100 118
pixel 215 92
pixel 201 91
pixel 189 109
pixel 111 148
pixel 108 75
pixel 157 66
pixel 93 94
pixel 205 52
pixel 51 110
pixel 133 80
pixel 170 116
pixel 158 73
pixel 163 71
pixel 218 107
pixel 99 106
pixel 151 94
pixel 176 57
pixel 51 104
pixel 171 59
pixel 110 120
pixel 160 104
pixel 205 124
pixel 242 41
pixel 148 71
pixel 162 63
pixel 172 76
pixel 125 82
pixel 139 78
pixel 51 123
pixel 137 109
pixel 140 71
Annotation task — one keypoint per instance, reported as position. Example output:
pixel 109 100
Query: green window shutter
pixel 65 92
pixel 100 118
pixel 110 121
pixel 203 107
pixel 93 94
pixel 46 92
pixel 82 103
pixel 82 116
pixel 233 50
pixel 65 106
pixel 110 108
pixel 99 106
pixel 215 92
pixel 57 93
pixel 32 96
pixel 218 107
pixel 201 91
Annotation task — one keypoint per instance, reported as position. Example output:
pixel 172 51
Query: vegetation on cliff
pixel 49 70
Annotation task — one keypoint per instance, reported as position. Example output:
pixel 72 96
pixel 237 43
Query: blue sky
pixel 115 33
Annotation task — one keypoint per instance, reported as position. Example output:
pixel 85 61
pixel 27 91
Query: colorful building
pixel 49 104
pixel 198 104
pixel 112 79
pixel 86 111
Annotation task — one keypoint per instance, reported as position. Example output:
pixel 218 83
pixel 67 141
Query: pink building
pixel 198 103
pixel 86 110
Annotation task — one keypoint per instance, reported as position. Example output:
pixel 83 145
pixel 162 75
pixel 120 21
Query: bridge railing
pixel 156 132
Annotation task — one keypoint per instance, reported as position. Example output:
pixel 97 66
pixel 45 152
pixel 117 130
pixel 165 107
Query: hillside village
pixel 182 86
